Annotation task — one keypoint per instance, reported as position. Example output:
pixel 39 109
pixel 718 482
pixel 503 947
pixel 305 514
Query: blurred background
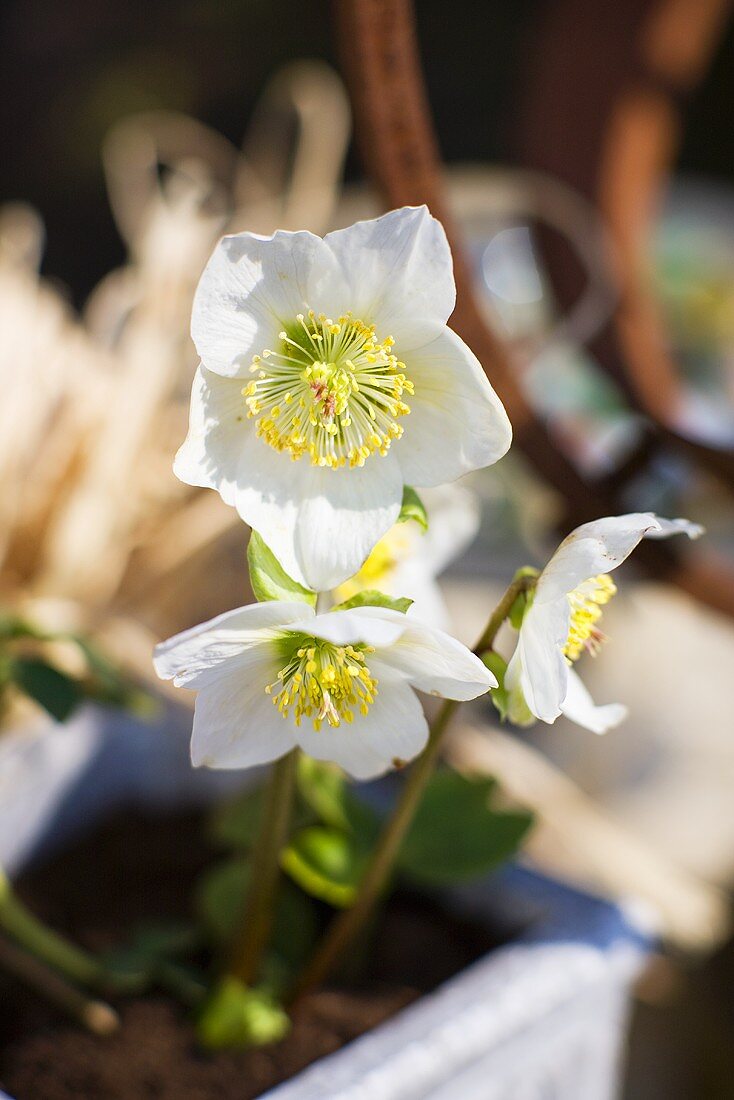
pixel 589 169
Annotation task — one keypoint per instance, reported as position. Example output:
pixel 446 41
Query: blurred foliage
pixel 58 671
pixel 236 1015
pixel 457 834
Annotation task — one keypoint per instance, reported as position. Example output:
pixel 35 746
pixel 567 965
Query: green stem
pixel 39 940
pixel 345 928
pixel 521 582
pixel 265 870
pixel 348 924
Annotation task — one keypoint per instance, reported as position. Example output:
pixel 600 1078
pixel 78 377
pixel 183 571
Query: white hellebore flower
pixel 407 560
pixel 329 380
pixel 271 676
pixel 562 621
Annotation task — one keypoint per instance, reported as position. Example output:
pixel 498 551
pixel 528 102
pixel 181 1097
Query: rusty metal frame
pixel 380 62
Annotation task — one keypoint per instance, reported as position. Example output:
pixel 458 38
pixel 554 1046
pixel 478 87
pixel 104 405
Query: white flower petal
pixel 369 625
pixel 236 724
pixel 599 547
pixel 457 423
pixel 341 515
pixel 435 663
pixel 415 580
pixel 668 527
pixel 581 708
pixel 538 668
pixel 320 523
pixel 453 522
pixel 409 558
pixel 234 636
pixel 393 731
pixel 398 274
pixel 218 432
pixel 301 510
pixel 249 288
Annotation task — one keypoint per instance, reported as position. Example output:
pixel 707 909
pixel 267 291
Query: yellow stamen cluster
pixel 324 681
pixel 586 609
pixel 331 391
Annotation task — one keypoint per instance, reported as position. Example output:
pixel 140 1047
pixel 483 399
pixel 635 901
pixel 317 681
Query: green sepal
pixel 238 1016
pixel 413 508
pixel 498 695
pixel 517 611
pixel 269 579
pixel 524 599
pixel 456 835
pixel 370 597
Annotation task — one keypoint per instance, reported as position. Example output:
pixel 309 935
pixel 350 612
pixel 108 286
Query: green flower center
pixel 331 391
pixel 323 681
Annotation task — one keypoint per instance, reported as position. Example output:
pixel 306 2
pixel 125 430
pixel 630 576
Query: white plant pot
pixel 543 1016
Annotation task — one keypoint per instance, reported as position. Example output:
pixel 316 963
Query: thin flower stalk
pixel 265 871
pixel 42 942
pixel 348 925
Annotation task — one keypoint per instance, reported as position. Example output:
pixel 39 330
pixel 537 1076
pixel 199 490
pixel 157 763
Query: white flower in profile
pixel 562 620
pixel 406 561
pixel 275 675
pixel 329 380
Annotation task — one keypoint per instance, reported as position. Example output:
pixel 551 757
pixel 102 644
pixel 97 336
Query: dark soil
pixel 138 869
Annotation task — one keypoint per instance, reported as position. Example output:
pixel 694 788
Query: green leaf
pixel 57 693
pixel 370 597
pixel 413 508
pixel 138 961
pixel 296 927
pixel 456 835
pixel 219 898
pixel 498 695
pixel 326 863
pixel 323 788
pixel 13 627
pixel 269 579
pixel 237 1016
pixel 163 940
pixel 108 684
pixel 220 903
pixel 235 823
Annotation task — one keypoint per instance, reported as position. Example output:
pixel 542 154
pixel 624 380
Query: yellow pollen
pixel 332 391
pixel 322 681
pixel 586 609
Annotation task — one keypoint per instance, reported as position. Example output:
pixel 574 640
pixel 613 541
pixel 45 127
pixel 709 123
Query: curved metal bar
pixel 636 61
pixel 393 125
